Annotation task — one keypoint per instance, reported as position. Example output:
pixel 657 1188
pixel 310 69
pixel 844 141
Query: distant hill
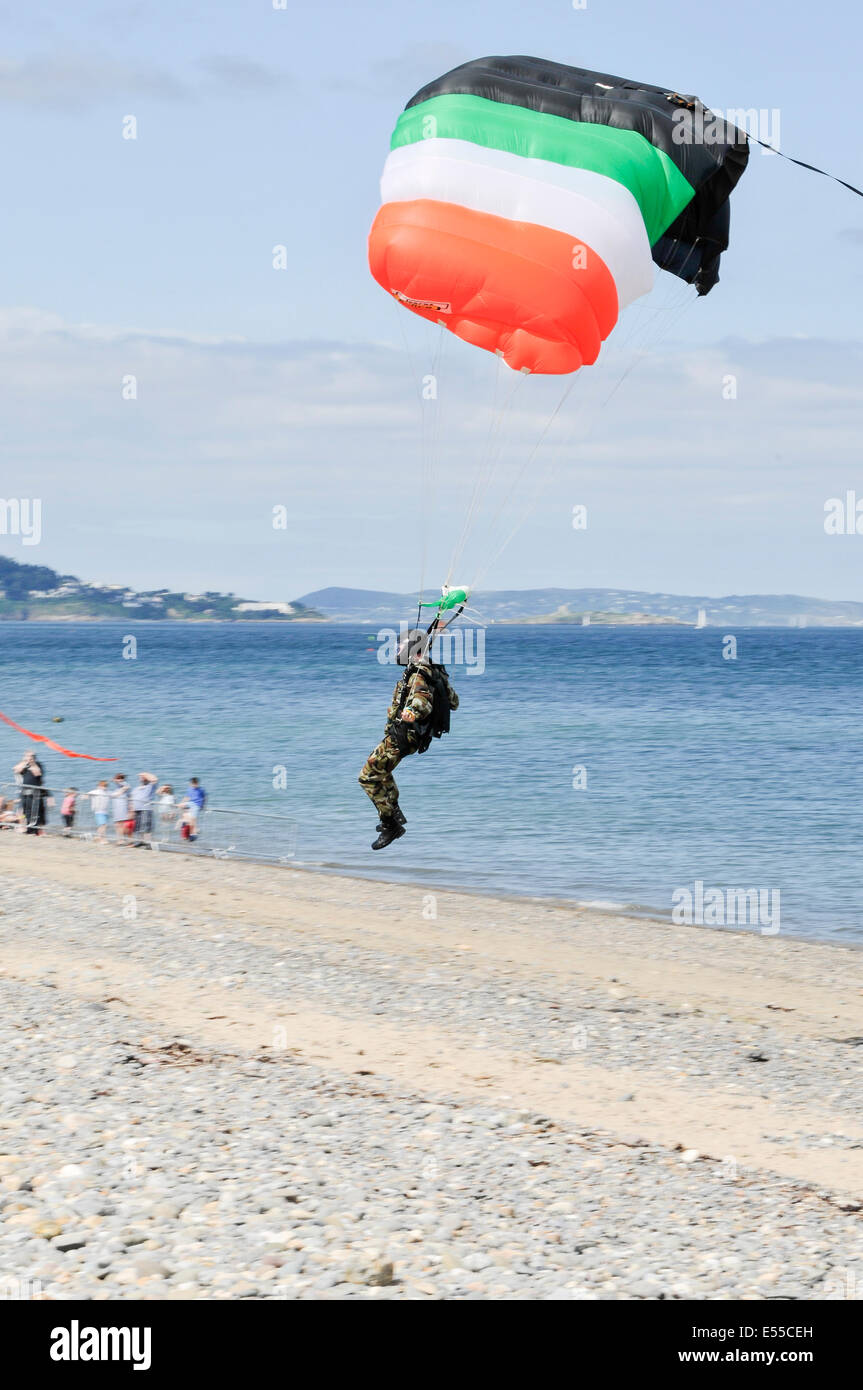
pixel 37 593
pixel 570 605
pixel 362 605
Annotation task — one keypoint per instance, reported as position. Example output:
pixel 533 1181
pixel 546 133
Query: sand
pixel 741 1047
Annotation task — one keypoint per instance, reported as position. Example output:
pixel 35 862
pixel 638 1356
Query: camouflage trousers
pixel 376 778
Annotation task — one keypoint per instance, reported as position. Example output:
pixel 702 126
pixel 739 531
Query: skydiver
pixel 419 712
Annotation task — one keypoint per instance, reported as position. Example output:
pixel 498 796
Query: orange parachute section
pixel 49 742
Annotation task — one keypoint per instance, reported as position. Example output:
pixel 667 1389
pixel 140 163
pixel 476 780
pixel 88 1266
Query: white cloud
pixel 223 429
pixel 73 82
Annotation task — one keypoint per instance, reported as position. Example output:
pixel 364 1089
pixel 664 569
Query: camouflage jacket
pixel 420 695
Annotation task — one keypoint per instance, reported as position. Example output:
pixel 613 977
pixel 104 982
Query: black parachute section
pixel 709 151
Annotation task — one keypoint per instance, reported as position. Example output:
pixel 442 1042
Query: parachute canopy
pixel 524 204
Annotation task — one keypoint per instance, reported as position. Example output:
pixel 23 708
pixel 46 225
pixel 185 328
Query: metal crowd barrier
pixel 221 831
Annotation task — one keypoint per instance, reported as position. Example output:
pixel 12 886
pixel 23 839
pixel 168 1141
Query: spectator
pixel 33 793
pixel 187 820
pixel 100 802
pixel 67 809
pixel 142 806
pixel 167 806
pixel 123 823
pixel 196 799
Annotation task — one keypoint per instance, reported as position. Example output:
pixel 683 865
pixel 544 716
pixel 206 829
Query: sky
pixel 703 446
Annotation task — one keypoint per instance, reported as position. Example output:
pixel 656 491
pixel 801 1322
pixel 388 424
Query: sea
pixel 621 767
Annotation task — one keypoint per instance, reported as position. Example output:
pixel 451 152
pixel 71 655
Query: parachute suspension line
pixel 639 335
pixel 803 165
pixel 640 316
pixel 438 396
pixel 419 610
pixel 650 339
pixel 485 474
pixel 646 334
pixel 495 422
pixel 642 337
pixel 640 329
pixel 495 427
pixel 416 389
pixel 675 312
pixel 495 406
pixel 481 572
pixel 430 462
pixel 650 343
pixel 504 501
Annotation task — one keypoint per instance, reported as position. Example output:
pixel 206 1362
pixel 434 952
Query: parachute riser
pixel 452 601
pixel 437 626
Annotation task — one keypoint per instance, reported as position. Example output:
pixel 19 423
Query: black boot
pixel 390 830
pixel 398 816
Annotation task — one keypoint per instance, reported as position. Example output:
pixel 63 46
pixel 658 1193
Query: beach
pixel 227 1079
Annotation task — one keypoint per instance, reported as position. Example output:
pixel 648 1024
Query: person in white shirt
pixel 167 805
pixel 100 805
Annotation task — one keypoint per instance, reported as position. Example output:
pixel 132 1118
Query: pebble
pixel 211 1174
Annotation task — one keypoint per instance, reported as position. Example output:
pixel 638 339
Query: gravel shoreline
pixel 228 1081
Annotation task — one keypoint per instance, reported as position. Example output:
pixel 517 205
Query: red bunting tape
pixel 40 738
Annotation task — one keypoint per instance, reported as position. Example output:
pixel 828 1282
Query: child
pixel 187 821
pixel 196 800
pixel 167 804
pixel 100 801
pixel 67 810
